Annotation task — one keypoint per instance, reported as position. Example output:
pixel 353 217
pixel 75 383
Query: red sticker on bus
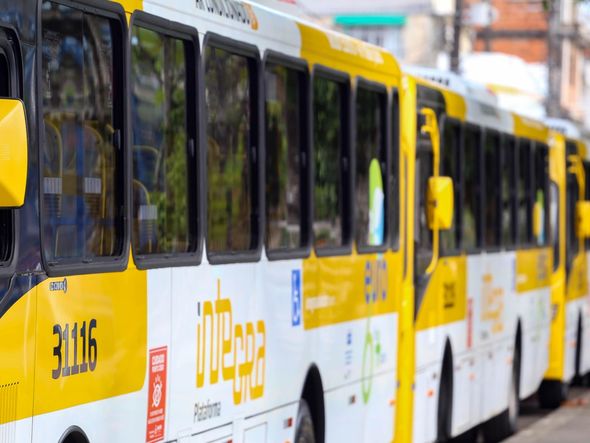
pixel 156 411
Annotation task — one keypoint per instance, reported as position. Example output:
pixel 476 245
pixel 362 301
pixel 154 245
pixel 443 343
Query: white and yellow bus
pixel 239 227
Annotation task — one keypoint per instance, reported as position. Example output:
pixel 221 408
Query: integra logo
pixel 59 285
pixel 229 351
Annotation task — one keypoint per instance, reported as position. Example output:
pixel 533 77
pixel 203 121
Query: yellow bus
pixel 238 226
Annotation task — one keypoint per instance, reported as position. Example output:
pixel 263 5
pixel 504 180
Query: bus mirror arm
pixel 13 153
pixel 440 194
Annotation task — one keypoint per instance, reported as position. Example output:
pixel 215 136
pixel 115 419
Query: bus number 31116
pixel 74 337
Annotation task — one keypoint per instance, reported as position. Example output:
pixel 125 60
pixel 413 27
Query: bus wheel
pixel 304 429
pixel 552 393
pixel 445 398
pixel 506 424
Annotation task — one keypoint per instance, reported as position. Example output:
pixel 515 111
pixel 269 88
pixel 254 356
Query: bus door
pixel 435 281
pixel 17 309
pixel 575 263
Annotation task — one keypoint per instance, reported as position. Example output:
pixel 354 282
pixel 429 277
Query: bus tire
pixel 445 398
pixel 304 432
pixel 578 378
pixel 504 425
pixel 552 393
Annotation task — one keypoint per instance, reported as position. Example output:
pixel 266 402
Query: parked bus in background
pixel 482 288
pixel 570 331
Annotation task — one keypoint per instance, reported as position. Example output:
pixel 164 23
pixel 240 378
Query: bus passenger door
pixel 437 284
pixel 17 293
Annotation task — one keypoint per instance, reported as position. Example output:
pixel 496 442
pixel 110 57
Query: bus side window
pixel 371 191
pixel 450 240
pixel 541 192
pixel 330 158
pixel 587 194
pixel 492 190
pixel 508 181
pixel 394 176
pixel 572 197
pixel 164 142
pixel 83 112
pixel 471 163
pixel 524 194
pixel 286 164
pixel 232 179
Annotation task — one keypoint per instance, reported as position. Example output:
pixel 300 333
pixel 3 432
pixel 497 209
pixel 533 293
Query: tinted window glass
pixel 508 172
pixel 471 187
pixel 492 189
pixel 541 192
pixel 572 197
pixel 394 210
pixel 284 130
pixel 163 172
pixel 371 167
pixel 82 176
pixel 523 189
pixel 587 194
pixel 6 215
pixel 451 143
pixel 230 100
pixel 329 102
pixel 423 233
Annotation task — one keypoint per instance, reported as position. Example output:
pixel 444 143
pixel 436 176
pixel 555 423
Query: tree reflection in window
pixel 160 164
pixel 327 117
pixel 284 89
pixel 229 100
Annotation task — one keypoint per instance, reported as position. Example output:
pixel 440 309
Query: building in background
pixel 548 35
pixel 504 44
pixel 416 31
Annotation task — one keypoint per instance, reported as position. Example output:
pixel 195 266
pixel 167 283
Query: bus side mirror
pixel 13 153
pixel 440 203
pixel 583 219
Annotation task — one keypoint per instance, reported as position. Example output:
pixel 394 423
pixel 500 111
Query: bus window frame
pixel 479 184
pixel 11 46
pixel 115 13
pixel 343 78
pixel 458 188
pixel 272 57
pixel 381 89
pixel 257 164
pixel 190 36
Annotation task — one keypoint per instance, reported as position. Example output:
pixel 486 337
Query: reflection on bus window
pixel 471 162
pixel 80 201
pixel 327 115
pixel 423 233
pixel 370 168
pixel 525 210
pixel 284 90
pixel 449 165
pixel 160 164
pixel 508 171
pixel 491 213
pixel 541 194
pixel 229 135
